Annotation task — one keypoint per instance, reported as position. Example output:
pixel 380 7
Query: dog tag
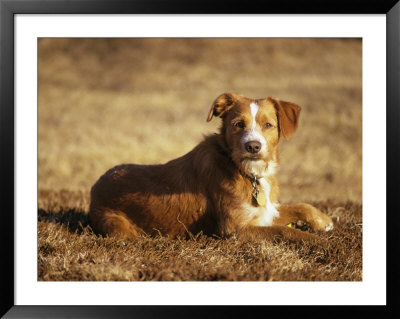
pixel 261 198
pixel 258 195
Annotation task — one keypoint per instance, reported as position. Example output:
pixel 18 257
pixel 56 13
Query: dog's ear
pixel 288 116
pixel 221 105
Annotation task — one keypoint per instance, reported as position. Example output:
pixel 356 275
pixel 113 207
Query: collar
pixel 253 180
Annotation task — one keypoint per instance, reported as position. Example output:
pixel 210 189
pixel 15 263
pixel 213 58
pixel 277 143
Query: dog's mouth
pixel 252 158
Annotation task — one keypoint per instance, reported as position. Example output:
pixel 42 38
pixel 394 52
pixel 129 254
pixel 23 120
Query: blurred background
pixel 104 102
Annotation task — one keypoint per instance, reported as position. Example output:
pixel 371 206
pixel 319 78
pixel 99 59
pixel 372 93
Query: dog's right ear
pixel 221 105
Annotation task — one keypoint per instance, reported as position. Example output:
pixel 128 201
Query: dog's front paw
pixel 329 226
pixel 310 216
pixel 322 222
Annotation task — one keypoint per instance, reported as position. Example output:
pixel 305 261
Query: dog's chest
pixel 261 215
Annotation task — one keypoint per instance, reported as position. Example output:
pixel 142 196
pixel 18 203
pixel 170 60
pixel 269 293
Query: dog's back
pixel 174 198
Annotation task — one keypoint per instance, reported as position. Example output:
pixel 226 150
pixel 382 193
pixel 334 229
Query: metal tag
pixel 261 198
pixel 258 195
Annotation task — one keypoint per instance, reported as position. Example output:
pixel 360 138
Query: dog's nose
pixel 253 147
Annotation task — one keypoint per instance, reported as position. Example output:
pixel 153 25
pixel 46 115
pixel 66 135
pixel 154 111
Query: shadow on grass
pixel 74 220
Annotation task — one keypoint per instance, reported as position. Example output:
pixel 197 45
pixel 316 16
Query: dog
pixel 225 186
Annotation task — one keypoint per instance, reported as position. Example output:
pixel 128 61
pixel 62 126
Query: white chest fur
pixel 262 216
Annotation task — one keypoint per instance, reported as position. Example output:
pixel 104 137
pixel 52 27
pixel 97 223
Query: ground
pixel 104 102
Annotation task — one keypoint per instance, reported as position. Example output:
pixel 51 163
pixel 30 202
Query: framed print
pixel 87 86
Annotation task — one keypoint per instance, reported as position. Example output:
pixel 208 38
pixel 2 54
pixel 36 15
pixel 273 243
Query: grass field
pixel 104 102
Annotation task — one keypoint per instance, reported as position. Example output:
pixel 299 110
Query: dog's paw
pixel 314 219
pixel 329 227
pixel 323 222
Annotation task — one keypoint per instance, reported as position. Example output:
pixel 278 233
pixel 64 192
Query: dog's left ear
pixel 221 105
pixel 288 116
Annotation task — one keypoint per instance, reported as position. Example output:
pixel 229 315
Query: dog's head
pixel 251 129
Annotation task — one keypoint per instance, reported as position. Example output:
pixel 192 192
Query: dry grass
pixel 104 102
pixel 69 250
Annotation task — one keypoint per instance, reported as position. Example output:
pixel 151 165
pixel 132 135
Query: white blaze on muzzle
pixel 254 134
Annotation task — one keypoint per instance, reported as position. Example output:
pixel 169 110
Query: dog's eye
pixel 267 125
pixel 240 124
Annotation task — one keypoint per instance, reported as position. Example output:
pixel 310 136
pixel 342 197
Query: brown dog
pixel 225 185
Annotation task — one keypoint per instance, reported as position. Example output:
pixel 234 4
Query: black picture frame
pixel 8 10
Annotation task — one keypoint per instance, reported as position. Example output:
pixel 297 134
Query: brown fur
pixel 205 190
